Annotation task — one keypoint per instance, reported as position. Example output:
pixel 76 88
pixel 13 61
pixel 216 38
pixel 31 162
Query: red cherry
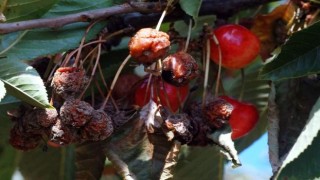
pixel 239 46
pixel 176 95
pixel 243 117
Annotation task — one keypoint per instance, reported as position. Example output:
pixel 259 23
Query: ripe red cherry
pixel 239 46
pixel 176 95
pixel 243 117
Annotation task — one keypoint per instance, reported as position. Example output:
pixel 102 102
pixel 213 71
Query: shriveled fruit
pixel 46 117
pixel 99 128
pixel 75 112
pixel 148 45
pixel 239 46
pixel 170 96
pixel 180 125
pixel 63 134
pixel 243 118
pixel 19 139
pixel 218 112
pixel 69 81
pixel 179 68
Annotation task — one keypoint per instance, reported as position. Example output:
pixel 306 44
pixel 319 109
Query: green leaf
pixel 302 161
pixel 18 10
pixel 299 56
pixel 191 7
pixel 42 42
pixel 64 7
pixel 205 163
pixel 23 82
pixel 53 164
pixel 37 43
pixel 2 90
pixel 90 160
pixel 7 153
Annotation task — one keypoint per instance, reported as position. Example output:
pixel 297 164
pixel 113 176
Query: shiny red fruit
pixel 239 46
pixel 243 117
pixel 167 92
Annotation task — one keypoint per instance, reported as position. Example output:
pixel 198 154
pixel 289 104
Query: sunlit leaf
pixel 23 82
pixel 271 28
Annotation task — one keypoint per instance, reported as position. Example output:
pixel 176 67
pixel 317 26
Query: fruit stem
pixel 106 86
pixel 93 70
pixel 115 80
pixel 189 35
pixel 219 68
pixel 206 76
pixel 163 14
pixel 82 43
pixel 242 84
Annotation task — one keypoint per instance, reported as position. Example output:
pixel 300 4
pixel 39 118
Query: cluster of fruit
pixel 236 46
pixel 77 121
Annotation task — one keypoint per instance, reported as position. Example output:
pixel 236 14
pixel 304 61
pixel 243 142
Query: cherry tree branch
pixel 150 10
pixel 85 16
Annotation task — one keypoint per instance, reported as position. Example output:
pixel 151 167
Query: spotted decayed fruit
pixel 179 69
pixel 148 45
pixel 218 112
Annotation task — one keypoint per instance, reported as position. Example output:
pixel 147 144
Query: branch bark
pixel 150 12
pixel 85 16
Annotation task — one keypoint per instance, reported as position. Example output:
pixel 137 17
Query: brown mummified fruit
pixel 179 69
pixel 181 126
pixel 99 128
pixel 69 81
pixel 148 45
pixel 217 112
pixel 63 134
pixel 20 139
pixel 46 117
pixel 75 112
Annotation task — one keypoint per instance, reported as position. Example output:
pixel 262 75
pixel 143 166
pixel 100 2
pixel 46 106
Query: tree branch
pixel 225 8
pixel 85 16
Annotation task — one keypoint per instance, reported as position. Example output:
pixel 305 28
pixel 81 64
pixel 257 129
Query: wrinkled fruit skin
pixel 46 117
pixel 99 128
pixel 239 46
pixel 218 112
pixel 243 118
pixel 69 81
pixel 148 45
pixel 180 124
pixel 179 69
pixel 63 134
pixel 21 140
pixel 75 112
pixel 176 95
